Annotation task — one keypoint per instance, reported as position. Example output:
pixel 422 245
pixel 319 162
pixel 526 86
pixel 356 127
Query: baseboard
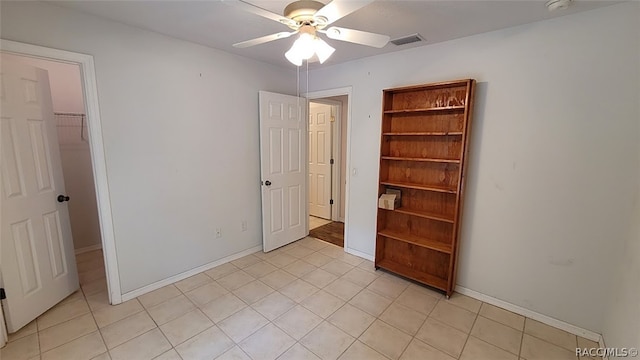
pixel 602 345
pixel 88 248
pixel 359 254
pixel 587 334
pixel 170 280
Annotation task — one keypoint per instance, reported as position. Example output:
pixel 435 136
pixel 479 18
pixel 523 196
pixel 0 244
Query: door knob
pixel 268 183
pixel 63 198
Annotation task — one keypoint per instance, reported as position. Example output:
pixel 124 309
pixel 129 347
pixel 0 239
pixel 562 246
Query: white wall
pixel 621 313
pixel 67 97
pixel 180 127
pixel 553 156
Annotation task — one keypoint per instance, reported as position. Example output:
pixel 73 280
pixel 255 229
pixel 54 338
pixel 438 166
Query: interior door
pixel 283 169
pixel 36 248
pixel 320 160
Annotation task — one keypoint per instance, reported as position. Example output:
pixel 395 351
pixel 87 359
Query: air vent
pixel 407 39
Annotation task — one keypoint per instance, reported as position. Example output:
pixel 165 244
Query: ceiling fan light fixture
pixel 293 57
pixel 306 46
pixel 302 49
pixel 323 50
pixel 553 5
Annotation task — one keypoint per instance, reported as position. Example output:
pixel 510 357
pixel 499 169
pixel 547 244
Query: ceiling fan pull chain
pixel 298 93
pixel 307 77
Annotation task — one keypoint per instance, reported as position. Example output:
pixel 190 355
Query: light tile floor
pixel 308 300
pixel 315 222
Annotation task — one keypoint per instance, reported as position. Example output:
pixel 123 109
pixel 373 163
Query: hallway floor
pixel 332 233
pixel 307 300
pixel 315 222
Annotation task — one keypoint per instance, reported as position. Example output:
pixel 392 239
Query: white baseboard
pixel 170 280
pixel 88 248
pixel 602 345
pixel 587 334
pixel 359 254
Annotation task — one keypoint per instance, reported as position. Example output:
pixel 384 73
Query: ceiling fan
pixel 310 18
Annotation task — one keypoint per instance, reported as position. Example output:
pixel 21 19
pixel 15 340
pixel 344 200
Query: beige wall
pixel 553 155
pixel 622 311
pixel 180 128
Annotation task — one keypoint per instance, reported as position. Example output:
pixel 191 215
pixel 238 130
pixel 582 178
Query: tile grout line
pixel 182 293
pixel 419 327
pixel 494 345
pixel 94 319
pixel 38 330
pixel 323 319
pixel 521 339
pixel 393 300
pixel 247 305
pixel 507 326
pixel 370 325
pixel 469 333
pixel 296 304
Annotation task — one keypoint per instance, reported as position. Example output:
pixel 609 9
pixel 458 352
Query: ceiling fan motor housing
pixel 303 11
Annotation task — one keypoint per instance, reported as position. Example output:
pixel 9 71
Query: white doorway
pixel 69 119
pixel 94 133
pixel 327 157
pixel 322 121
pixel 37 256
pixel 73 143
pixel 333 105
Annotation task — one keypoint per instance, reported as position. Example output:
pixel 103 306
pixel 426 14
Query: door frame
pixel 96 148
pixel 318 96
pixel 336 134
pixel 4 337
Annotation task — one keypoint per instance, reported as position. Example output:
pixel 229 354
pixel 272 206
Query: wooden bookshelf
pixel 425 138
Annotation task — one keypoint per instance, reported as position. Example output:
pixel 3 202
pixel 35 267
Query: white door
pixel 320 160
pixel 36 248
pixel 283 169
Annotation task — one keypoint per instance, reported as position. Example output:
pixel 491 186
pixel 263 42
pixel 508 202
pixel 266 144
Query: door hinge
pixel 331 202
pixel 3 295
pixel 331 161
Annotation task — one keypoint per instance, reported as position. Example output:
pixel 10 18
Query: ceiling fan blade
pixel 264 39
pixel 340 8
pixel 259 11
pixel 357 36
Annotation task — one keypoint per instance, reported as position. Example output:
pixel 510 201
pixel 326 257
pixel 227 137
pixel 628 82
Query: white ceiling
pixel 217 25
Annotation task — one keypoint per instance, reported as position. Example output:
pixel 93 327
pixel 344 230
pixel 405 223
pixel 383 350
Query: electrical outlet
pixel 244 225
pixel 218 233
